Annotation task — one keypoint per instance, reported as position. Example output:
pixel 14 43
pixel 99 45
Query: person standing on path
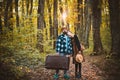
pixel 76 50
pixel 63 48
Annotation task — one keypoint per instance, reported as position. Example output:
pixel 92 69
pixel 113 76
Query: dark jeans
pixel 78 68
pixel 57 71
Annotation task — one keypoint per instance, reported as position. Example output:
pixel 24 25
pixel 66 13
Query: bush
pixel 15 64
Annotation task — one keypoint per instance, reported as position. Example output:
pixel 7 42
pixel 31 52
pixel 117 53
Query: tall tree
pixel 27 6
pixel 23 13
pixel 40 24
pixel 0 24
pixel 79 19
pixel 61 12
pixel 49 5
pixel 0 17
pixel 6 16
pixel 96 14
pixel 30 11
pixel 55 18
pixel 31 7
pixel 114 9
pixel 87 22
pixel 17 15
pixel 11 16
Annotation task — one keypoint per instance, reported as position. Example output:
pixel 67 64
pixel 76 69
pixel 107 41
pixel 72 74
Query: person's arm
pixel 77 42
pixel 58 43
pixel 79 46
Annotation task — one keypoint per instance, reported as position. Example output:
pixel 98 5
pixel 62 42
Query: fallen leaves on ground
pixel 89 72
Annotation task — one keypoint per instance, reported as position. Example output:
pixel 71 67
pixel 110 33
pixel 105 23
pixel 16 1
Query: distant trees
pixel 82 16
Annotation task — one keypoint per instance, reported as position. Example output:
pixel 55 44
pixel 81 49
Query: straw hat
pixel 79 58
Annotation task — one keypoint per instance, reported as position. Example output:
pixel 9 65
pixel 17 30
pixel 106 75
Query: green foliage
pixel 48 46
pixel 18 53
pixel 29 57
pixel 106 37
pixel 19 37
pixel 90 49
pixel 105 27
pixel 9 71
pixel 45 42
pixel 15 64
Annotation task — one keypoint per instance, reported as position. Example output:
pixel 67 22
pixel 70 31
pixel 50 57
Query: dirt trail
pixel 89 72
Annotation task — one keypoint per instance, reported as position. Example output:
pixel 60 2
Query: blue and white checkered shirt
pixel 63 45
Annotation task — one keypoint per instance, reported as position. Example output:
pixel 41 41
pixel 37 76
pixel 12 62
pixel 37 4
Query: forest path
pixel 89 72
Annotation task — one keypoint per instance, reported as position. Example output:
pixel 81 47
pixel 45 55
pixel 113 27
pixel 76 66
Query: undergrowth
pixel 18 54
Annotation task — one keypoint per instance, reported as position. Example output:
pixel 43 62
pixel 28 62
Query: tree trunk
pixel 61 12
pixel 0 17
pixel 23 13
pixel 30 12
pixel 40 24
pixel 6 17
pixel 50 17
pixel 0 24
pixel 16 10
pixel 55 20
pixel 31 3
pixel 41 14
pixel 88 23
pixel 6 14
pixel 27 6
pixel 10 24
pixel 114 9
pixel 79 24
pixel 96 13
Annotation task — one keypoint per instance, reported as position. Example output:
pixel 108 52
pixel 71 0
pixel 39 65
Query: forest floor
pixel 90 71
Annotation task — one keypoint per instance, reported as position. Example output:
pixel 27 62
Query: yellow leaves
pixel 26 47
pixel 19 37
pixel 12 20
pixel 72 28
pixel 24 68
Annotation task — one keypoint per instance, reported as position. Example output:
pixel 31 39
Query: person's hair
pixel 63 28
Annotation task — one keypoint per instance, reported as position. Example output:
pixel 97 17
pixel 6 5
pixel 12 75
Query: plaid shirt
pixel 61 45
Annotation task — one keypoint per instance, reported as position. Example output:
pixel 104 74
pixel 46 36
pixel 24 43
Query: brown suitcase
pixel 57 62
